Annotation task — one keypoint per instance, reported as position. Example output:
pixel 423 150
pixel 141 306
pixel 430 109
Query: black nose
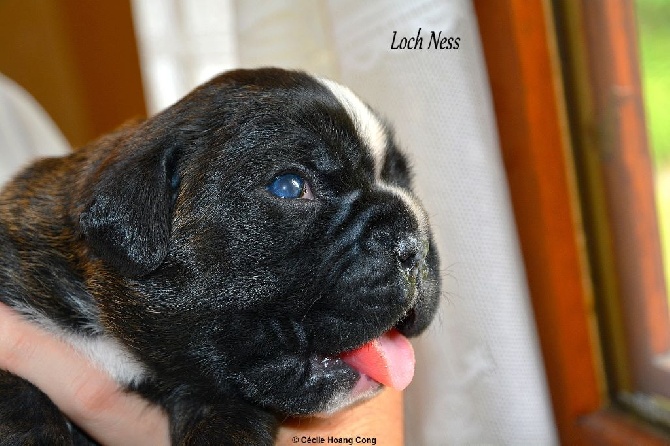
pixel 409 255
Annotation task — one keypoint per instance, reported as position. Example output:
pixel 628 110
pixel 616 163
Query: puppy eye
pixel 291 186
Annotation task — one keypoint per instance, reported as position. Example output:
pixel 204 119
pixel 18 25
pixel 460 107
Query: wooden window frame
pixel 569 266
pixel 618 153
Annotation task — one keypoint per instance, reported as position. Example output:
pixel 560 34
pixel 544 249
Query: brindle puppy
pixel 220 257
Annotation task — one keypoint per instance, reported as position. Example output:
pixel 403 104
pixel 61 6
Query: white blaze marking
pixel 367 125
pixel 411 202
pixel 375 137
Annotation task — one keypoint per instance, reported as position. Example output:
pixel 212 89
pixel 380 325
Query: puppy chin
pixel 364 389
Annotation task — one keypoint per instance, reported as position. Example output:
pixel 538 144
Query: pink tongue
pixel 389 360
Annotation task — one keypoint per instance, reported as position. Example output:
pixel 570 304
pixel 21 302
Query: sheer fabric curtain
pixel 26 131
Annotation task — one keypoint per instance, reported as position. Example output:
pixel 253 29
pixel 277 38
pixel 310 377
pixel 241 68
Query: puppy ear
pixel 127 199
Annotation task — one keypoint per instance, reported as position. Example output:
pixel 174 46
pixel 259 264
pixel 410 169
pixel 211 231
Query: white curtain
pixel 479 378
pixel 26 131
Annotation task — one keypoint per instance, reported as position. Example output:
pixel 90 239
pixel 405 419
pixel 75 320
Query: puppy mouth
pixel 384 361
pixel 388 360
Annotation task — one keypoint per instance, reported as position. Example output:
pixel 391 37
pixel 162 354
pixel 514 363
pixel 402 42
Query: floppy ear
pixel 127 199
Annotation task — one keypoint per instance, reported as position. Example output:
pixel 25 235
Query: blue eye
pixel 290 186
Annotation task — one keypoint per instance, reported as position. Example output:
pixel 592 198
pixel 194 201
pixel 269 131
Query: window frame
pixel 620 156
pixel 578 265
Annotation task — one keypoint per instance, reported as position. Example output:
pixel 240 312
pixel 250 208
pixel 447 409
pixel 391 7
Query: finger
pixel 89 397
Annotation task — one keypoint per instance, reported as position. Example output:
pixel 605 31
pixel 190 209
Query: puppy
pixel 254 251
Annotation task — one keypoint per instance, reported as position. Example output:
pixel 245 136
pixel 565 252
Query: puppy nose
pixel 409 254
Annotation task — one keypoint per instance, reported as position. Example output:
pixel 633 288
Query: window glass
pixel 654 33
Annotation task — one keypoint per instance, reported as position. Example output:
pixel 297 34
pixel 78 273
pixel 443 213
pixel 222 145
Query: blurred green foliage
pixel 654 31
pixel 653 17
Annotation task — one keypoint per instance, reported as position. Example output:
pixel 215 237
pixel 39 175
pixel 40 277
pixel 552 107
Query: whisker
pixel 319 297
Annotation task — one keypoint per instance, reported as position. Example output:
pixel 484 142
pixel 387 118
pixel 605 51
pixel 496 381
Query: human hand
pixel 84 393
pixel 95 403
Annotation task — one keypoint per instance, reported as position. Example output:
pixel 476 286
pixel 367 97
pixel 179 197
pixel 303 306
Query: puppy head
pixel 259 228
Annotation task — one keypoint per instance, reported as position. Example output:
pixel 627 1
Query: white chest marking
pixel 110 356
pixel 107 353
